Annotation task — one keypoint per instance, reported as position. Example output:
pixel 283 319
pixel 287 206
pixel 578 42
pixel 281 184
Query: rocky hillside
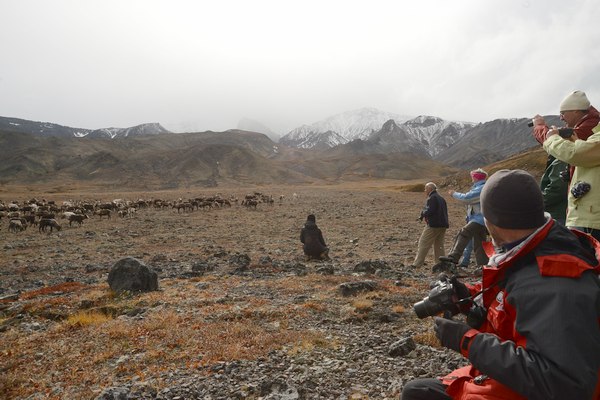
pixel 203 159
pixel 491 142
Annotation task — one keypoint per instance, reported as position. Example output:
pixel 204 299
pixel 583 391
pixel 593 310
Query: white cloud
pixel 207 64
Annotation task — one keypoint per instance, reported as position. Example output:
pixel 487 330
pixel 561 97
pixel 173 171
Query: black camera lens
pixel 426 308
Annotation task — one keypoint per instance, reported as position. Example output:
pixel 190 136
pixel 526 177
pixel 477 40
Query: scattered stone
pixel 202 267
pixel 325 269
pixel 10 297
pixel 240 261
pixel 114 393
pixel 369 267
pixel 402 347
pixel 353 288
pixel 159 258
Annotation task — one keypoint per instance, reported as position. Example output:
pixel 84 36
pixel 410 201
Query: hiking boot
pixel 444 266
pixel 448 259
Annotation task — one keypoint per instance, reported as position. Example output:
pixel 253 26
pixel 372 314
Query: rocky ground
pixel 239 315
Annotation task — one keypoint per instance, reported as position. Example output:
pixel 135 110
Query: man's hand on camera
pixel 553 131
pixel 449 332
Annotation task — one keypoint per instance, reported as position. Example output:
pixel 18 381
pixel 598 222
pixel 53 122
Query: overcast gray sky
pixel 207 64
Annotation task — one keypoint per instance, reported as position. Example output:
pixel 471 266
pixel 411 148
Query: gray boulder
pixel 130 274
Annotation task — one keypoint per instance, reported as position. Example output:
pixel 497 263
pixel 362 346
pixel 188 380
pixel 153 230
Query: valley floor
pixel 278 327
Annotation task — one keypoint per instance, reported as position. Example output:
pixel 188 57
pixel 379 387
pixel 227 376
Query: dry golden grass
pixel 91 349
pixel 84 318
pixel 400 309
pixel 362 305
pixel 428 339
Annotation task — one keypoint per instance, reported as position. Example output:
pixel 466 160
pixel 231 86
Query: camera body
pixel 442 296
pixel 565 132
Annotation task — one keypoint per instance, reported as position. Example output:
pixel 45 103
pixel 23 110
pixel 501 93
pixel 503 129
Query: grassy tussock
pixel 428 339
pixel 85 318
pixel 362 305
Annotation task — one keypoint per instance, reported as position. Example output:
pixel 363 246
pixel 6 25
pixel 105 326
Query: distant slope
pixel 492 141
pixel 40 128
pixel 532 161
pixel 50 129
pixel 145 161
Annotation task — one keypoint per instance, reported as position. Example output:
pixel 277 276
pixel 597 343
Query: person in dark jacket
pixel 312 238
pixel 533 327
pixel 435 215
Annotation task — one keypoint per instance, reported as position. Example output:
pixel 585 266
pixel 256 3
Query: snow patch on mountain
pixel 435 134
pixel 341 128
pixel 139 130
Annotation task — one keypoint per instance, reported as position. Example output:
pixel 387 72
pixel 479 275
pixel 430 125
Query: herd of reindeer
pixel 46 214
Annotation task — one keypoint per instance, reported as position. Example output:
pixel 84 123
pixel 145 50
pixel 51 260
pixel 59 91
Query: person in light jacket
pixel 474 229
pixel 583 210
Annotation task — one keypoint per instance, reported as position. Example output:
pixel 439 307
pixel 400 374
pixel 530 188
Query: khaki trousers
pixel 430 237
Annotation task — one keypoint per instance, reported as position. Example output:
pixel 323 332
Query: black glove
pixel 450 332
pixel 461 290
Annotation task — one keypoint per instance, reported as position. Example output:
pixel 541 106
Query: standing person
pixel 577 113
pixel 537 332
pixel 555 186
pixel 312 238
pixel 474 229
pixel 466 255
pixel 584 195
pixel 435 215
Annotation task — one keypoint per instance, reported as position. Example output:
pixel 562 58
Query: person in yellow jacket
pixel 583 212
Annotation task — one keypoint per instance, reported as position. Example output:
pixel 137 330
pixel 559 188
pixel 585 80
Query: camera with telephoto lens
pixel 442 297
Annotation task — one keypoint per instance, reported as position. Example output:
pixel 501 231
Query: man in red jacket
pixel 533 327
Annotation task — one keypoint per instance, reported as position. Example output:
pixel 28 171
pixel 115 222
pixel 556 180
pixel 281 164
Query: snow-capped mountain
pixel 433 134
pixel 139 130
pixel 341 128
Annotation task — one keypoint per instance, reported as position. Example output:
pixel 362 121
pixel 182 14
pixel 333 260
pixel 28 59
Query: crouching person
pixel 312 238
pixel 538 331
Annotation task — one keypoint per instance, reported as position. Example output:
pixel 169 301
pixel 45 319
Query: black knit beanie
pixel 512 199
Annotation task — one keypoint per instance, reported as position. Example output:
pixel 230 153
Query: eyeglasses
pixel 562 113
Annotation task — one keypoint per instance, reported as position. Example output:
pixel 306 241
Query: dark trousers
pixel 425 389
pixel 474 231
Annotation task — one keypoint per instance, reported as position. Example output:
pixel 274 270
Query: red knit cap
pixel 479 174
